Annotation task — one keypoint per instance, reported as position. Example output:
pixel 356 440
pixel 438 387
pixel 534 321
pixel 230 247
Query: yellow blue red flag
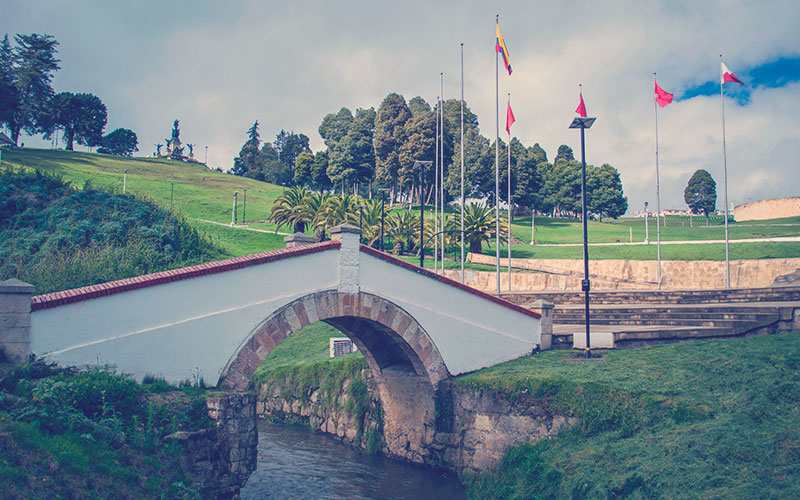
pixel 500 46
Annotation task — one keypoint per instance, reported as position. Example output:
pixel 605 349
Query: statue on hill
pixel 158 149
pixel 176 131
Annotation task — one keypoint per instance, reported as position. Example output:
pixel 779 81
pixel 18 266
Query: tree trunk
pixel 69 136
pixel 15 130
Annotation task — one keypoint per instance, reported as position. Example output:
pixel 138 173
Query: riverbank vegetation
pixel 94 435
pixel 703 419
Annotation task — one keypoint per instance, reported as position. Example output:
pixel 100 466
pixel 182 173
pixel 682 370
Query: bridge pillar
pixel 546 310
pixel 350 238
pixel 15 319
pixel 298 240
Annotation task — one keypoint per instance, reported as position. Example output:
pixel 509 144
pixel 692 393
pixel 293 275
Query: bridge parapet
pixel 15 319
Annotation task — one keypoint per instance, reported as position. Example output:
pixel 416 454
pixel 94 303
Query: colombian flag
pixel 500 46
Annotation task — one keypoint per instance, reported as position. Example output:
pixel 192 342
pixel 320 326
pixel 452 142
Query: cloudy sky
pixel 219 66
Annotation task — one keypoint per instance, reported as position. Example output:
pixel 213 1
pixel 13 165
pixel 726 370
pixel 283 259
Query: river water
pixel 295 463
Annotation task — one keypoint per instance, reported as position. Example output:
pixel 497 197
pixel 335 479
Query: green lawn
pixel 200 193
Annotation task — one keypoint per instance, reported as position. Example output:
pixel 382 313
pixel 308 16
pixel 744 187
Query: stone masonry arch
pixel 386 334
pixel 404 361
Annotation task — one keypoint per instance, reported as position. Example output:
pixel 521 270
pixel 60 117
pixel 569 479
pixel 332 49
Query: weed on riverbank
pixel 706 419
pixel 92 435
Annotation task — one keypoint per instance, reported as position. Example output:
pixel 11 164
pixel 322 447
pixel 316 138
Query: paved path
pixel 242 226
pixel 678 242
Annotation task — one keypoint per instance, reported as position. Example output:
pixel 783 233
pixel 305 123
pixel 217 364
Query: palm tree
pixel 479 226
pixel 371 222
pixel 315 205
pixel 404 230
pixel 341 209
pixel 290 209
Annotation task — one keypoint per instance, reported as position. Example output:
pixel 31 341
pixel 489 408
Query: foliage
pixel 290 208
pixel 390 135
pixel 352 159
pixel 480 226
pixel 674 421
pixel 82 117
pixel 91 434
pixel 57 237
pixel 604 188
pixel 701 193
pixel 27 72
pixel 120 142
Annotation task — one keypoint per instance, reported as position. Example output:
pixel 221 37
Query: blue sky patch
pixel 771 74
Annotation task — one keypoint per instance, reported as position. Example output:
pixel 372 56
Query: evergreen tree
pixel 604 192
pixel 564 153
pixel 253 136
pixel 390 135
pixel 701 193
pixel 31 74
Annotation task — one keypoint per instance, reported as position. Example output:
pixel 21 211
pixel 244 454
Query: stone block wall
pixel 566 274
pixel 767 209
pixel 222 457
pixel 15 320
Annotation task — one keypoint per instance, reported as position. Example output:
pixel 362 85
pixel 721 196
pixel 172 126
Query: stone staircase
pixel 638 318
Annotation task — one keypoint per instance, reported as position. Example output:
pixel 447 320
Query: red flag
pixel 662 96
pixel 728 76
pixel 581 108
pixel 509 118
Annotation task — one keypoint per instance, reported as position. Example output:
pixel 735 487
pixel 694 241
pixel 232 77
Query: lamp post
pixel 646 227
pixel 422 165
pixel 206 156
pixel 383 203
pixel 583 124
pixel 244 208
pixel 233 215
pixel 124 180
pixel 171 194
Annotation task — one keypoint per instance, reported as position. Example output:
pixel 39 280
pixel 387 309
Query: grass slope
pixel 199 193
pixel 202 194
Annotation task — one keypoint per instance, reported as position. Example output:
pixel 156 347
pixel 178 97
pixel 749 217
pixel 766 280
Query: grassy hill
pixel 203 195
pixel 199 193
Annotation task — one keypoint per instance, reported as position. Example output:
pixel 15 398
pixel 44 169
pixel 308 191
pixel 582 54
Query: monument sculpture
pixel 174 148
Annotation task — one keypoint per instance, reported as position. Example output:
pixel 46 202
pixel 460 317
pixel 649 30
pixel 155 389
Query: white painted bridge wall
pixel 470 331
pixel 178 330
pixel 191 328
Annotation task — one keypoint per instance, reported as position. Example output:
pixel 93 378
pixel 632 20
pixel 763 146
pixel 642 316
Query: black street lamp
pixel 422 165
pixel 383 203
pixel 583 124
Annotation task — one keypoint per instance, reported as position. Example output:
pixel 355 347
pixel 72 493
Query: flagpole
pixel 658 193
pixel 509 199
pixel 436 155
pixel 436 195
pixel 497 161
pixel 441 180
pixel 462 163
pixel 724 175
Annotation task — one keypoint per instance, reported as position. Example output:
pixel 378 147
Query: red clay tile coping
pixel 447 281
pixel 56 299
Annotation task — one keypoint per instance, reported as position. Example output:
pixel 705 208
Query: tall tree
pixel 564 153
pixel 82 117
pixel 289 145
pixel 352 159
pixel 701 193
pixel 253 137
pixel 419 144
pixel 121 142
pixel 335 126
pixel 390 134
pixel 34 62
pixel 8 91
pixel 303 165
pixel 604 188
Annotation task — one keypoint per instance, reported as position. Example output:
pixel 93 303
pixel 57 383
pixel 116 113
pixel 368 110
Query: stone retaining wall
pixel 473 428
pixel 767 209
pixel 222 457
pixel 566 274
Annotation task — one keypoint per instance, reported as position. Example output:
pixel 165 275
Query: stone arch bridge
pixel 219 320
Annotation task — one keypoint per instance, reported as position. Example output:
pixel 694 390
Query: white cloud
pixel 218 67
